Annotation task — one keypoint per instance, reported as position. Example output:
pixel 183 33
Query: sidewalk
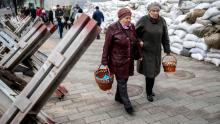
pixel 189 96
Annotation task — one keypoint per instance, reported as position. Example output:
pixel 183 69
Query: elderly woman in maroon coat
pixel 119 51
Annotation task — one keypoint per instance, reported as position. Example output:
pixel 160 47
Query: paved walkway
pixel 189 96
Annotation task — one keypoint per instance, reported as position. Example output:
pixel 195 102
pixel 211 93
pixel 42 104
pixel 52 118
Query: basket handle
pixel 169 55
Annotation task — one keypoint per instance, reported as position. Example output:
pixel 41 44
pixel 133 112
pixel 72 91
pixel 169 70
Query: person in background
pixel 99 17
pixel 33 13
pixel 59 16
pixel 50 16
pixel 44 16
pixel 66 17
pixel 73 12
pixel 80 11
pixel 119 50
pixel 38 11
pixel 27 11
pixel 152 30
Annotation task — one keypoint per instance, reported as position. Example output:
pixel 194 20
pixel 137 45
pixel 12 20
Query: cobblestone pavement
pixel 189 96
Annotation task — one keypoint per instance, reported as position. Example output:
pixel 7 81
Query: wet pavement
pixel 189 96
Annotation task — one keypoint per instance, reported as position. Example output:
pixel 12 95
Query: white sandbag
pixel 165 8
pixel 191 37
pixel 203 22
pixel 184 26
pixel 168 20
pixel 215 19
pixel 179 19
pixel 171 38
pixel 175 12
pixel 177 45
pixel 207 59
pixel 176 39
pixel 171 31
pixel 216 61
pixel 214 50
pixel 198 50
pixel 180 33
pixel 205 1
pixel 189 44
pixel 175 50
pixel 164 14
pixel 216 4
pixel 197 56
pixel 213 55
pixel 201 40
pixel 173 26
pixel 210 13
pixel 188 5
pixel 201 46
pixel 172 1
pixel 194 26
pixel 202 6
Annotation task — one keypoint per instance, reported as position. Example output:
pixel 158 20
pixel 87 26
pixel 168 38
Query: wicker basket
pixel 169 63
pixel 104 78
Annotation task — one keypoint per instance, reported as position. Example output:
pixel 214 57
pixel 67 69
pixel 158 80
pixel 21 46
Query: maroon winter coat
pixel 120 49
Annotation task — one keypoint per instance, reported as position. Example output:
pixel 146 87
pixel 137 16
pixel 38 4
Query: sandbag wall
pixel 197 33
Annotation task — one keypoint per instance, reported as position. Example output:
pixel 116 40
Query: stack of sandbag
pixel 213 56
pixel 194 33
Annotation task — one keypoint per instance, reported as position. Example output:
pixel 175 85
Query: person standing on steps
pixel 99 17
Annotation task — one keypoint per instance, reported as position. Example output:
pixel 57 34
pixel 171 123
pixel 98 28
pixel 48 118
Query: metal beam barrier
pixel 54 70
pixel 28 45
pixel 24 24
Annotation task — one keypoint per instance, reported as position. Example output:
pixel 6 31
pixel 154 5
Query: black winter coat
pixel 153 34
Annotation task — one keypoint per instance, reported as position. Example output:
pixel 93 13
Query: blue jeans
pixel 60 27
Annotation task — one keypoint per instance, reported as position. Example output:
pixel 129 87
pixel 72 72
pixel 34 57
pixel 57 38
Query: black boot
pixel 98 37
pixel 129 110
pixel 119 100
pixel 150 98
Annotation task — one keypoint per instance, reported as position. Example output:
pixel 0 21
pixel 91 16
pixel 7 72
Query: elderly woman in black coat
pixel 152 30
pixel 119 50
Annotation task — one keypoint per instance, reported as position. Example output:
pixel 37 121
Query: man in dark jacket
pixel 33 13
pixel 50 16
pixel 59 16
pixel 98 16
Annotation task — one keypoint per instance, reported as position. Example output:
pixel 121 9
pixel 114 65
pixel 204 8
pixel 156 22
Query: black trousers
pixel 149 85
pixel 98 36
pixel 122 93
